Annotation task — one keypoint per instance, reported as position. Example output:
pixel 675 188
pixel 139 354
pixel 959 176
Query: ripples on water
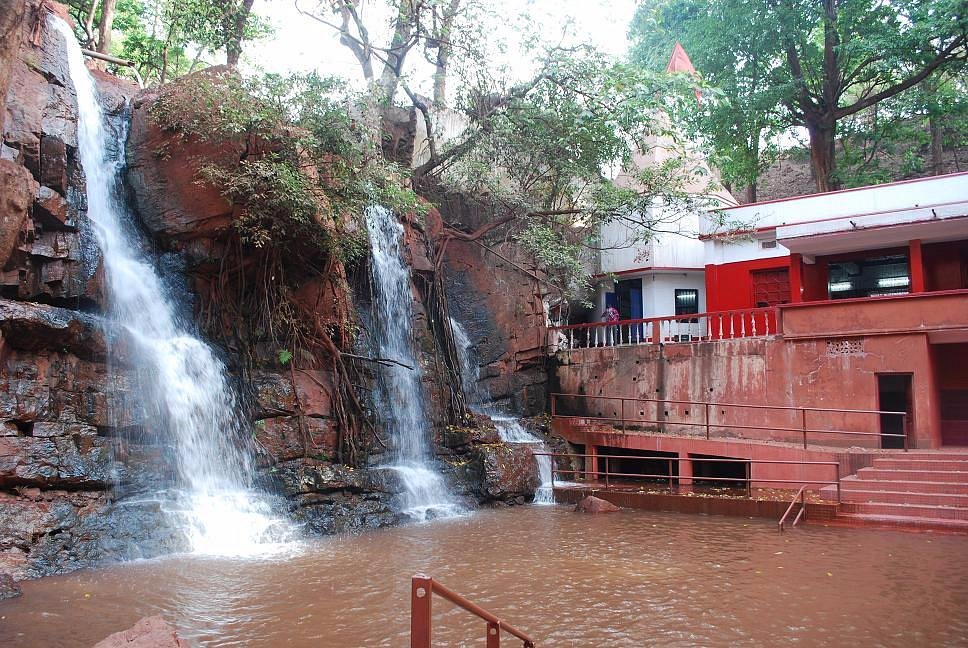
pixel 627 579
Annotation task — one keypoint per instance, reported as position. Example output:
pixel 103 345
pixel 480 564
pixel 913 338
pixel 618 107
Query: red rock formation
pixel 163 169
pixel 149 632
pixel 493 292
pixel 593 504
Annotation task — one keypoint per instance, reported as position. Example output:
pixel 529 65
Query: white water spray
pixel 509 428
pixel 183 383
pixel 426 494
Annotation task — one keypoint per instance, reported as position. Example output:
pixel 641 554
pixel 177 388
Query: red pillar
pixel 591 462
pixel 917 266
pixel 685 470
pixel 712 288
pixel 796 278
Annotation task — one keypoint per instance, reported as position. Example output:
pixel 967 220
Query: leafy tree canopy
pixel 802 63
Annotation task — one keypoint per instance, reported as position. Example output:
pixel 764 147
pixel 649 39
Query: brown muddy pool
pixel 632 578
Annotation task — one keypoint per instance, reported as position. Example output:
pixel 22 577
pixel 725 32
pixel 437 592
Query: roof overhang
pixel 930 224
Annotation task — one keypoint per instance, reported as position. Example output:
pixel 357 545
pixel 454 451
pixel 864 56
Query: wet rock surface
pixel 593 504
pixel 149 632
pixel 506 472
pixel 331 498
pixel 498 301
pixel 9 587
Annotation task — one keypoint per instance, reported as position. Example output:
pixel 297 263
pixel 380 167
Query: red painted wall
pixel 944 265
pixel 729 286
pixel 952 366
pixel 815 280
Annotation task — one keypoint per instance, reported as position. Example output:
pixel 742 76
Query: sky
pixel 300 44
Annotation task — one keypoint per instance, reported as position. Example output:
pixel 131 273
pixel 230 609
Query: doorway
pixel 628 295
pixel 894 395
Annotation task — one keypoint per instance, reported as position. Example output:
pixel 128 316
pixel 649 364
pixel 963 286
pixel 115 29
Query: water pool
pixel 632 578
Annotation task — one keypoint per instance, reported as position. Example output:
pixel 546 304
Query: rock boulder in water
pixel 150 632
pixel 508 471
pixel 592 504
pixel 8 587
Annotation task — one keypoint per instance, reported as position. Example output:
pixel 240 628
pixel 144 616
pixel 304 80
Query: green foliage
pixel 284 356
pixel 752 52
pixel 169 38
pixel 305 178
pixel 552 159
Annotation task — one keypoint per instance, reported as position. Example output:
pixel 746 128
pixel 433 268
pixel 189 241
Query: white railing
pixel 699 327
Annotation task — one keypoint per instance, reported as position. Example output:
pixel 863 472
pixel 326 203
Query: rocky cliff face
pixel 73 458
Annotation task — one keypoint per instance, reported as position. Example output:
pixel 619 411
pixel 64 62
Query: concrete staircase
pixel 919 489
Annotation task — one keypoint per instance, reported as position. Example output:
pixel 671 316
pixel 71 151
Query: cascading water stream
pixel 182 382
pixel 509 428
pixel 426 493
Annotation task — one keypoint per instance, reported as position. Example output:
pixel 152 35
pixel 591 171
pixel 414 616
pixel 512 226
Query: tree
pixel 166 38
pixel 235 17
pixel 827 59
pixel 105 25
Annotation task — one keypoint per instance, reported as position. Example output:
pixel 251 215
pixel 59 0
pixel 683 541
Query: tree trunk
pixel 937 145
pixel 822 161
pixel 400 44
pixel 104 27
pixel 750 192
pixel 89 24
pixel 233 49
pixel 444 48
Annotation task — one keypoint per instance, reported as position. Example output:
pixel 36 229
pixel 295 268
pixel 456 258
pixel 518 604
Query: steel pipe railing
pixel 708 424
pixel 803 507
pixel 422 589
pixel 748 480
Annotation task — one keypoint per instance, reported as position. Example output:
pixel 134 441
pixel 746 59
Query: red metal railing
pixel 708 424
pixel 595 472
pixel 422 589
pixel 803 508
pixel 698 327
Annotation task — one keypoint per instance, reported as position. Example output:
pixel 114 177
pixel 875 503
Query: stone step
pixel 893 474
pixel 900 497
pixel 904 486
pixel 906 510
pixel 903 463
pixel 903 521
pixel 957 455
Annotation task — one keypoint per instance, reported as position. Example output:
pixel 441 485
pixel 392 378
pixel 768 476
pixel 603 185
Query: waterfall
pixel 509 428
pixel 182 383
pixel 426 494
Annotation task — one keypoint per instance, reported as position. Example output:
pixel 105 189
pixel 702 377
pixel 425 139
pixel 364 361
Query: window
pixel 687 301
pixel 887 275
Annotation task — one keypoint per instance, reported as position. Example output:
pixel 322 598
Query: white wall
pixel 658 292
pixel 676 247
pixel 747 248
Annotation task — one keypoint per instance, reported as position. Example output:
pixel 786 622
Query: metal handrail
pixel 422 589
pixel 708 424
pixel 748 480
pixel 803 507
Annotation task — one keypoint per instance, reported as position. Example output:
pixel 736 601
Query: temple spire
pixel 680 62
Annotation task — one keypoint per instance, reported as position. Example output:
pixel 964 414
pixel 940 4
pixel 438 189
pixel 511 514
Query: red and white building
pixel 893 239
